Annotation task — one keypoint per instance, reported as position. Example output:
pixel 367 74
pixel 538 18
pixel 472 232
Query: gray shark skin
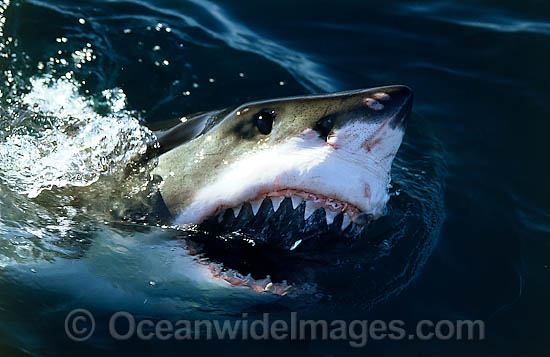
pixel 285 164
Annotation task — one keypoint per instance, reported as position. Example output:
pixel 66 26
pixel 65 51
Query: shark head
pixel 300 161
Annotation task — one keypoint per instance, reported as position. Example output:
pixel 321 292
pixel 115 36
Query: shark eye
pixel 264 121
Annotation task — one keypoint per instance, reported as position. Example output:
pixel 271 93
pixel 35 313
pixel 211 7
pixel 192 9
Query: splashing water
pixel 60 139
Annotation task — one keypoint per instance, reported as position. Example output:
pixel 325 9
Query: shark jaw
pixel 345 175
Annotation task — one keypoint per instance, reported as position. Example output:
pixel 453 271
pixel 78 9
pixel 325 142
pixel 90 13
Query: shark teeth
pixel 296 244
pixel 256 206
pixel 276 201
pixel 295 201
pixel 310 208
pixel 345 222
pixel 236 210
pixel 330 215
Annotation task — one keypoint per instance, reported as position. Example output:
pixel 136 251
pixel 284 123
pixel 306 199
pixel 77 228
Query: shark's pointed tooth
pixel 310 208
pixel 330 215
pixel 295 201
pixel 256 206
pixel 237 210
pixel 276 201
pixel 296 244
pixel 346 221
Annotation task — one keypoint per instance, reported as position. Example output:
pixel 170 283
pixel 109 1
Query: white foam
pixel 65 142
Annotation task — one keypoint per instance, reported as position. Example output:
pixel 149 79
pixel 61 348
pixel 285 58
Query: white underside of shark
pixel 349 173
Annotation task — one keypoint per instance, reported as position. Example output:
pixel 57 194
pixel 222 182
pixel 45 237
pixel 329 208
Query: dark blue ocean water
pixel 469 229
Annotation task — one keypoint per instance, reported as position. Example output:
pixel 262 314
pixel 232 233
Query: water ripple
pixel 461 14
pixel 307 72
pixel 215 21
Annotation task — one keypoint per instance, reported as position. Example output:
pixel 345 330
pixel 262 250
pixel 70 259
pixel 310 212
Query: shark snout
pixel 391 105
pixel 368 122
pixel 398 104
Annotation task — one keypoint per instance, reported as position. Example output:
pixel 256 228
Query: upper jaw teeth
pixel 310 208
pixel 256 206
pixel 237 210
pixel 295 201
pixel 346 221
pixel 276 201
pixel 330 215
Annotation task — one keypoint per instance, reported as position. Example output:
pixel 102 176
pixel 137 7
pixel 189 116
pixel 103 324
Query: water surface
pixel 466 235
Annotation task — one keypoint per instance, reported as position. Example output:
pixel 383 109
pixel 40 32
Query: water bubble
pixel 81 21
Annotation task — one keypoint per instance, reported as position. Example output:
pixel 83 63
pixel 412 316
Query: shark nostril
pixel 324 127
pixel 381 96
pixel 374 104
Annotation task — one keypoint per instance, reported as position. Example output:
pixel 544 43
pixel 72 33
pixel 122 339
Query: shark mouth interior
pixel 289 218
pixel 270 243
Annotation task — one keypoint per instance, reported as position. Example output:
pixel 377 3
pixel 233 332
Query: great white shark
pixel 282 170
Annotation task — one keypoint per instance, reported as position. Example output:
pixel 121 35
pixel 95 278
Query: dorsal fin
pixel 180 133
